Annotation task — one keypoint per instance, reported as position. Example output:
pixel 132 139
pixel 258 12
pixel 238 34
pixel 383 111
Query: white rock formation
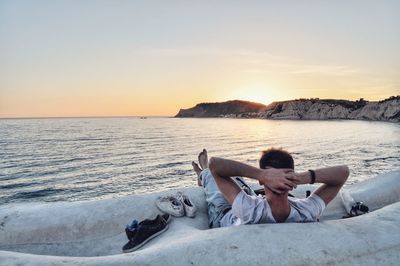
pixel 388 110
pixel 91 233
pixel 307 109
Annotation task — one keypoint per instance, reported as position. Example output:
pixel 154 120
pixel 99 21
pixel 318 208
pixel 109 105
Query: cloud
pixel 268 63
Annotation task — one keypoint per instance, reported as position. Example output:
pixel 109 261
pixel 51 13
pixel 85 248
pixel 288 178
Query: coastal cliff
pixel 222 109
pixel 301 109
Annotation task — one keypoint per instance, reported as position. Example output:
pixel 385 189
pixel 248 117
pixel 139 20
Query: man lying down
pixel 229 205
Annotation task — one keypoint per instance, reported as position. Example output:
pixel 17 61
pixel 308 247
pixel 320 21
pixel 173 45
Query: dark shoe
pixel 130 234
pixel 147 230
pixel 130 229
pixel 166 217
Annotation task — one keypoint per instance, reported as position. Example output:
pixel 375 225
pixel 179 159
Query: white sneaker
pixel 171 205
pixel 188 205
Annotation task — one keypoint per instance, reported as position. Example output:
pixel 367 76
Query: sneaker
pixel 190 209
pixel 166 217
pixel 146 230
pixel 171 205
pixel 130 230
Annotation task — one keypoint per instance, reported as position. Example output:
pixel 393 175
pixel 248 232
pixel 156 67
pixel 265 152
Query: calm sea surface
pixel 92 158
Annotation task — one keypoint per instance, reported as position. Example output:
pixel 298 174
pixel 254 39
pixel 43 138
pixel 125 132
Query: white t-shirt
pixel 248 209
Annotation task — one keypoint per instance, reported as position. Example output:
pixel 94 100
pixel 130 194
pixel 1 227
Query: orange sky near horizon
pixel 99 58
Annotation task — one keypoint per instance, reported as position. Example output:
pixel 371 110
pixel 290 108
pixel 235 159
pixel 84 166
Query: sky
pixel 127 58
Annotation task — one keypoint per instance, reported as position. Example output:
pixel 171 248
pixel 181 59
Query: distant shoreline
pixel 387 110
pixel 293 120
pixel 173 117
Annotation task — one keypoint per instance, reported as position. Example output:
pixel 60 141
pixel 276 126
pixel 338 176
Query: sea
pixel 73 159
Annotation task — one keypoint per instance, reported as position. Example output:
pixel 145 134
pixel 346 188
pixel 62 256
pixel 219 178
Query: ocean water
pixel 91 158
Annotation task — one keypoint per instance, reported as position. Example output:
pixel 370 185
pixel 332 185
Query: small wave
pixel 128 164
pixel 77 159
pixel 381 159
pixel 48 173
pixel 168 165
pixel 37 193
pixel 91 139
pixel 180 172
pixel 18 175
pixel 18 185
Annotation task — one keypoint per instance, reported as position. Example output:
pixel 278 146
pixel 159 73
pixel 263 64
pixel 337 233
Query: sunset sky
pixel 112 58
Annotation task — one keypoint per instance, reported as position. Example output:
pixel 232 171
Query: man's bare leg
pixel 197 169
pixel 203 161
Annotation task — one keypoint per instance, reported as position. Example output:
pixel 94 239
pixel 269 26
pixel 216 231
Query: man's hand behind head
pixel 278 180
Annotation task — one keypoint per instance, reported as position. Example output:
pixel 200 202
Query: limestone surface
pixel 92 233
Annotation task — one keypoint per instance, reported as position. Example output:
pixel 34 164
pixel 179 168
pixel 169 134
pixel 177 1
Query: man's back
pixel 248 209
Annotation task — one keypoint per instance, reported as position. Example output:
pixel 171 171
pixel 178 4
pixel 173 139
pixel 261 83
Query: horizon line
pixel 89 116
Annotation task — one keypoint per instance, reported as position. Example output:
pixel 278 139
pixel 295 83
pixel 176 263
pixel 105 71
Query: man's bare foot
pixel 203 159
pixel 197 169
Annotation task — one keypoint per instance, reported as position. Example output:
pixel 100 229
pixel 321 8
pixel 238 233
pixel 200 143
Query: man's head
pixel 276 158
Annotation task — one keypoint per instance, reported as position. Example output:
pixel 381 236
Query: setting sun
pixel 255 93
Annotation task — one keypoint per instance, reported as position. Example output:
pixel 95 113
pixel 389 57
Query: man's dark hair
pixel 276 158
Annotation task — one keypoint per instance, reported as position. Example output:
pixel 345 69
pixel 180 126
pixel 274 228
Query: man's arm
pixel 332 178
pixel 278 180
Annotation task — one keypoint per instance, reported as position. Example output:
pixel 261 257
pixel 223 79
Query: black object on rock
pixel 145 231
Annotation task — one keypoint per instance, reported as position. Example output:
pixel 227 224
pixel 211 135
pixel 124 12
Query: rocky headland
pixel 301 109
